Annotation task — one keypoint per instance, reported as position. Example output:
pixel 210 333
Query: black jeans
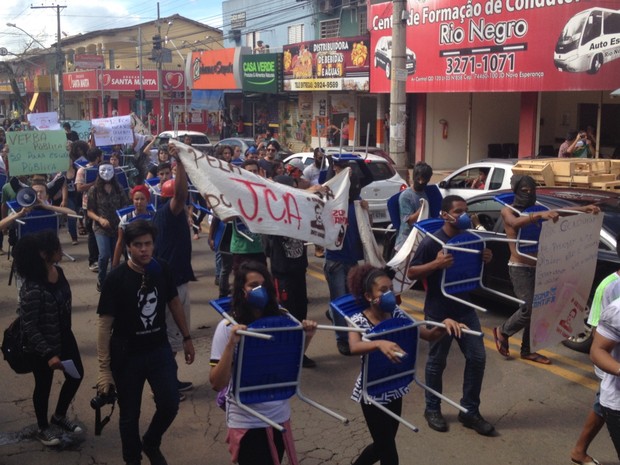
pixel 43 377
pixel 293 293
pixel 612 420
pixel 254 447
pixel 131 369
pixel 383 429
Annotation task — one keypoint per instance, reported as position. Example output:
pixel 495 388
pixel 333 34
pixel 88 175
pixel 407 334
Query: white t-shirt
pixel 278 411
pixel 311 174
pixel 609 327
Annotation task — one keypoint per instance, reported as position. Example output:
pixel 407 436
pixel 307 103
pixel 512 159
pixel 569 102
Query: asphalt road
pixel 537 410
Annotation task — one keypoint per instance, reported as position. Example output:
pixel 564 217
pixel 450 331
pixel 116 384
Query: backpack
pixel 13 348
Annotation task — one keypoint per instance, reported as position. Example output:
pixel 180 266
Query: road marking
pixel 586 378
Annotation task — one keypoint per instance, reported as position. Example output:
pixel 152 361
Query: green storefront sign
pixel 262 73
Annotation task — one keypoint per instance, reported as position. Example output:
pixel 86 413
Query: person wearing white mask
pixel 104 198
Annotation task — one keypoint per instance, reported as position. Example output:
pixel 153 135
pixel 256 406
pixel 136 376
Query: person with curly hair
pixel 373 287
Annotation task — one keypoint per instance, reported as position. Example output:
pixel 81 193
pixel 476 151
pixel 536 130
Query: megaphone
pixel 26 197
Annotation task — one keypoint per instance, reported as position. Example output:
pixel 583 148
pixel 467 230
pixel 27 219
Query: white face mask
pixel 106 172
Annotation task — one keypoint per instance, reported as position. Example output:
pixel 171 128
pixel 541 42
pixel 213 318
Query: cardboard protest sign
pixel 400 262
pixel 112 131
pixel 37 152
pixel 44 121
pixel 82 127
pixel 567 254
pixel 267 207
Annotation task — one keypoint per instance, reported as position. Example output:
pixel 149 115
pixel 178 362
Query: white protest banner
pixel 372 255
pixel 44 121
pixel 267 207
pixel 567 253
pixel 37 152
pixel 82 127
pixel 400 262
pixel 112 131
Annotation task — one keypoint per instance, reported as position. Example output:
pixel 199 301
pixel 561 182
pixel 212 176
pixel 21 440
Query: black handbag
pixel 13 348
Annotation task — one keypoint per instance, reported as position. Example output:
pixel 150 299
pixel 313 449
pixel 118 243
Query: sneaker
pixel 182 397
pixel 66 424
pixel 154 454
pixel 477 423
pixel 184 385
pixel 343 347
pixel 436 421
pixel 94 267
pixel 308 363
pixel 47 437
pixel 328 315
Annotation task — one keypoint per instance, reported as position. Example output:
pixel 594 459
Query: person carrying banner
pixel 409 205
pixel 428 263
pixel 522 269
pixel 174 245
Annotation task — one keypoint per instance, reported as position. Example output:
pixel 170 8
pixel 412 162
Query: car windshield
pixel 200 140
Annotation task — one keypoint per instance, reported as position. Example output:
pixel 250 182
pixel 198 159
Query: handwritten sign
pixel 37 152
pixel 267 207
pixel 113 131
pixel 82 127
pixel 567 254
pixel 44 121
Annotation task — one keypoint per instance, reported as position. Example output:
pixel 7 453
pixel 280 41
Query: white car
pixel 378 177
pixel 199 140
pixel 466 182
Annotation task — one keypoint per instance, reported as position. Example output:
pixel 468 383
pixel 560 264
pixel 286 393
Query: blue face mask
pixel 462 222
pixel 258 297
pixel 387 301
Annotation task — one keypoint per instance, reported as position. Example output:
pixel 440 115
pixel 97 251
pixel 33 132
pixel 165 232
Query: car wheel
pixel 582 341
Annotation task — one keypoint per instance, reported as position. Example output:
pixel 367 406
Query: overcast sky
pixel 81 16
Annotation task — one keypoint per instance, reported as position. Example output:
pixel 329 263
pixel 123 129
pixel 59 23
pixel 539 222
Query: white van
pixel 588 40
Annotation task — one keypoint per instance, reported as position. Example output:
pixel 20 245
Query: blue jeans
pixel 523 282
pixel 106 245
pixel 336 277
pixel 158 367
pixel 472 348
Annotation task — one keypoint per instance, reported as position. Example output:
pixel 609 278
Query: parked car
pixel 378 178
pixel 383 57
pixel 244 142
pixel 496 273
pixel 499 172
pixel 199 140
pixel 360 149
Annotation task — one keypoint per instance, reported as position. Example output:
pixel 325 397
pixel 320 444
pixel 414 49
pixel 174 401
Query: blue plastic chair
pixel 394 210
pixel 528 236
pixel 268 362
pixel 91 174
pixel 126 210
pixel 434 200
pixel 465 275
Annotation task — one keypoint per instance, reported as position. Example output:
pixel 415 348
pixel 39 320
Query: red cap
pixel 167 188
pixel 141 188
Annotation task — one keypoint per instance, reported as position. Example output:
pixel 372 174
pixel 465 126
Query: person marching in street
pixel 45 308
pixel 173 244
pixel 140 198
pixel 133 346
pixel 409 202
pixel 428 263
pixel 523 269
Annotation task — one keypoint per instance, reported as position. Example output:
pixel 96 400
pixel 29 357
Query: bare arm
pixel 600 354
pixel 176 308
pixel 177 204
pixel 220 374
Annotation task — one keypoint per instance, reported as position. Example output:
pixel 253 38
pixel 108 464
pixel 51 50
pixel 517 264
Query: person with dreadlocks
pixel 522 269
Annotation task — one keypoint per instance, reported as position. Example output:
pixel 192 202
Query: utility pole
pixel 141 111
pixel 59 61
pixel 398 93
pixel 160 86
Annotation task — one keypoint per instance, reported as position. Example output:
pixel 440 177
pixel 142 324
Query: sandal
pixel 536 358
pixel 501 343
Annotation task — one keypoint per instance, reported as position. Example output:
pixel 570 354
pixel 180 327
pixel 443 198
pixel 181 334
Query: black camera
pixel 97 403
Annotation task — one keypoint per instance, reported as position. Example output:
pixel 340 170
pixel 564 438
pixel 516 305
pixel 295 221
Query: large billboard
pixel 329 64
pixel 217 69
pixel 122 80
pixel 499 45
pixel 262 73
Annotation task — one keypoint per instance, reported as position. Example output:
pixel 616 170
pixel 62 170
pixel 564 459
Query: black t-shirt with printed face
pixel 138 305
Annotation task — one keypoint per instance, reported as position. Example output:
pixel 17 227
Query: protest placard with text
pixel 37 152
pixel 113 131
pixel 44 121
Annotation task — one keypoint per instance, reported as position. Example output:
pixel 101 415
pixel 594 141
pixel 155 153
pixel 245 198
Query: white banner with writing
pixel 567 254
pixel 112 131
pixel 267 207
pixel 44 121
pixel 400 262
pixel 372 253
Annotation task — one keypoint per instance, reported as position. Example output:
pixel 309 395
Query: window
pixel 330 28
pixel 497 178
pixel 295 33
pixel 362 19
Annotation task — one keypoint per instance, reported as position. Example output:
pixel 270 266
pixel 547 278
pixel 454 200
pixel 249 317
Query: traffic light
pixel 157 42
pixel 140 94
